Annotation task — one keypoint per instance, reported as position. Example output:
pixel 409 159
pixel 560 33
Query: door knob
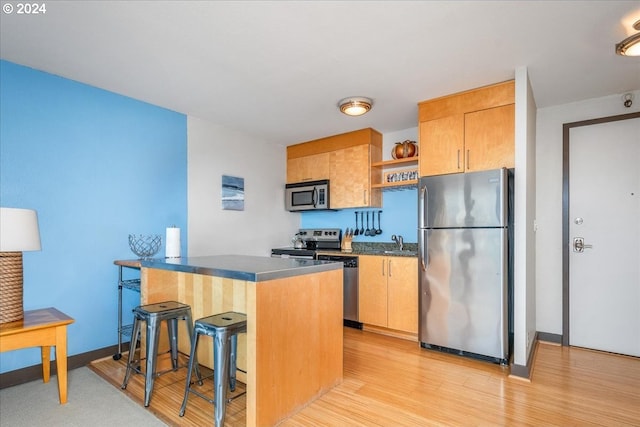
pixel 579 245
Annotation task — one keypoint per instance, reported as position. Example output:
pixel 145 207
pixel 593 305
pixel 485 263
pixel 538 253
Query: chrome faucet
pixel 398 240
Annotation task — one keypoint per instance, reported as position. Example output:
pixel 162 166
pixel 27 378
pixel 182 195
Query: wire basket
pixel 145 246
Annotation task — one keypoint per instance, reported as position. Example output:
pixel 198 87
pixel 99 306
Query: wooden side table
pixel 41 328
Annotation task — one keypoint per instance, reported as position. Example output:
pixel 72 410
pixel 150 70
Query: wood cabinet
pixel 442 143
pixel 469 131
pixel 345 160
pixel 350 178
pixel 372 290
pixel 489 138
pixel 308 168
pixel 388 292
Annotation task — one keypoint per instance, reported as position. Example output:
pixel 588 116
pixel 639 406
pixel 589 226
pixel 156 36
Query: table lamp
pixel 18 233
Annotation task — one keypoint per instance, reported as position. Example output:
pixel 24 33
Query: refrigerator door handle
pixel 422 198
pixel 422 245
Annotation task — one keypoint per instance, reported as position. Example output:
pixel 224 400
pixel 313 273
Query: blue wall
pixel 96 166
pixel 399 216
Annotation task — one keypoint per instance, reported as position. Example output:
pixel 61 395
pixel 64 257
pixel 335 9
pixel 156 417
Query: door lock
pixel 579 245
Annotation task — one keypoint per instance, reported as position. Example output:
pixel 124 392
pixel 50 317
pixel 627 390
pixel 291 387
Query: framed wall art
pixel 232 193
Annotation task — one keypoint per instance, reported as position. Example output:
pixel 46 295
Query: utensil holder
pixel 346 244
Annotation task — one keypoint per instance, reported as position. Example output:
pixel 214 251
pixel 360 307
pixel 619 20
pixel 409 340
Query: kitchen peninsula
pixel 292 351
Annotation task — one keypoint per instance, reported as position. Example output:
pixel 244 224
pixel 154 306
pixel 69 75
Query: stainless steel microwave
pixel 307 196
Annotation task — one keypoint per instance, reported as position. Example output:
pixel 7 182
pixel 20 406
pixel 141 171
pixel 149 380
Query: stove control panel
pixel 320 234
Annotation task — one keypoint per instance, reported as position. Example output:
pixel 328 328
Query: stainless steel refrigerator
pixel 465 259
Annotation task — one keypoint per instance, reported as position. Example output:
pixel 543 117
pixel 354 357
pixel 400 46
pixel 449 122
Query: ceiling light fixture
pixel 631 45
pixel 355 106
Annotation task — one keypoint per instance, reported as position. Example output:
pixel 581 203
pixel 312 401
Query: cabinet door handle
pixel 389 268
pixel 467 159
pixel 458 158
pixel 383 267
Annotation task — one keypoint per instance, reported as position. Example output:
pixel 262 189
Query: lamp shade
pixel 19 230
pixel 18 233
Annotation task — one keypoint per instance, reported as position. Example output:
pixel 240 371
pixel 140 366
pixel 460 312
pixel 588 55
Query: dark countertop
pixel 242 267
pixel 375 248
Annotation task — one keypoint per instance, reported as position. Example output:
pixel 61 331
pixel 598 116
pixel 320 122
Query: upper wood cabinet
pixel 345 160
pixel 469 131
pixel 308 168
pixel 489 138
pixel 350 179
pixel 442 145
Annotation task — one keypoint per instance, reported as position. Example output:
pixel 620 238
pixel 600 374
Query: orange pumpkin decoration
pixel 404 149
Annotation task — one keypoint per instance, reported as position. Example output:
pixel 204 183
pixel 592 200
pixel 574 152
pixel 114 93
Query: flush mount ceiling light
pixel 355 106
pixel 631 45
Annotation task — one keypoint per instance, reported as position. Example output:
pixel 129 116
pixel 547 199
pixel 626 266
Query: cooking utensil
pixel 373 224
pixel 379 230
pixel 362 223
pixel 357 231
pixel 368 230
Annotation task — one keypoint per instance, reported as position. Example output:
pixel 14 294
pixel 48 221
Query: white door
pixel 604 210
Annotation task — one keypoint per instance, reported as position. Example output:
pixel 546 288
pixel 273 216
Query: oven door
pixel 293 253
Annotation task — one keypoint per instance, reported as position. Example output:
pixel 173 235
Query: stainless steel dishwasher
pixel 350 288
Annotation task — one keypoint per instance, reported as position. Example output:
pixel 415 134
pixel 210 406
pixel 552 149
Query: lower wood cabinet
pixel 388 292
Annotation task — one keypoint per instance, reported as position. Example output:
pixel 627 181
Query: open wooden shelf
pixel 407 161
pixel 396 162
pixel 409 184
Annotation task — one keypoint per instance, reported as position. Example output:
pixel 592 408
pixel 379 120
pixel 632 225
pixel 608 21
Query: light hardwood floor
pixel 392 382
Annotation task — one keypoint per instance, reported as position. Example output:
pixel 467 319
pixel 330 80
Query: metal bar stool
pixel 224 329
pixel 153 315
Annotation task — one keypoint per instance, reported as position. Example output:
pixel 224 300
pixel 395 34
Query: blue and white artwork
pixel 232 193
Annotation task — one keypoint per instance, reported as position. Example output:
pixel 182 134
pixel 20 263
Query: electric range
pixel 313 240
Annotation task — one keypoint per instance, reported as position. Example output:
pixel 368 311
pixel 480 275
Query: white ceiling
pixel 277 69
